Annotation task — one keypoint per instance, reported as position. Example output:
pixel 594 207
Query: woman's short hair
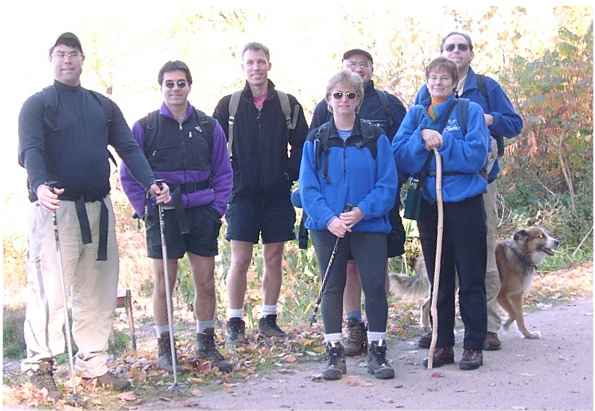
pixel 453 33
pixel 442 63
pixel 351 79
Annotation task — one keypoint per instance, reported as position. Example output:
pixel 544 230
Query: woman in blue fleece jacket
pixel 464 149
pixel 348 184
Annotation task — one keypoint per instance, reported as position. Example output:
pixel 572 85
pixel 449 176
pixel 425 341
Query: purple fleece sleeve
pixel 134 191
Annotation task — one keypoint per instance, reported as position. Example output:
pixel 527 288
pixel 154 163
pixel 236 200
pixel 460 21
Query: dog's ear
pixel 521 235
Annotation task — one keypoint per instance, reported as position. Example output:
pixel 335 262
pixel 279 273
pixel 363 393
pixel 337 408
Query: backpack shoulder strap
pixel 234 103
pixel 290 118
pixel 50 106
pixel 481 85
pixel 206 127
pixel 462 113
pixel 106 106
pixel 370 134
pixel 150 125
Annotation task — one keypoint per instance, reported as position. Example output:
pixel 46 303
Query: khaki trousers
pixel 91 285
pixel 492 277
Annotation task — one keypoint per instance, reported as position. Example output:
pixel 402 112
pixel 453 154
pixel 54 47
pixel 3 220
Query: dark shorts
pixel 248 217
pixel 204 224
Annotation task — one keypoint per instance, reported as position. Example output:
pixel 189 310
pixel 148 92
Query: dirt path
pixel 553 373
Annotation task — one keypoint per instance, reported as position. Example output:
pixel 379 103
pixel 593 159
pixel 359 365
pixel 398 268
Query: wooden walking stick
pixel 437 260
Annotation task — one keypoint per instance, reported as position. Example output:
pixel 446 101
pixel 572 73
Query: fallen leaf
pixel 128 396
pixel 437 374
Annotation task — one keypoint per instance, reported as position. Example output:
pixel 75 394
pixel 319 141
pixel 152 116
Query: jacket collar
pixel 166 112
pixel 247 92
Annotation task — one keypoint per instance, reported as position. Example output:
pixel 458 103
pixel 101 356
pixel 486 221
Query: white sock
pixel 235 313
pixel 376 336
pixel 160 329
pixel 332 338
pixel 202 325
pixel 268 310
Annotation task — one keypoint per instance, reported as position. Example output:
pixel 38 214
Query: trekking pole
pixel 437 260
pixel 168 299
pixel 53 185
pixel 326 275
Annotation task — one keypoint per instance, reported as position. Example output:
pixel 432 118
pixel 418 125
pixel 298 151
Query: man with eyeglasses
pixel 266 130
pixel 386 111
pixel 64 131
pixel 187 149
pixel 502 121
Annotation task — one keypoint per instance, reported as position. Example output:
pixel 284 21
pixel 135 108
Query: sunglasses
pixel 460 46
pixel 171 84
pixel 338 95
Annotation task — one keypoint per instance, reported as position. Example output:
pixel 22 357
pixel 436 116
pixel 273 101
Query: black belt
pixel 81 213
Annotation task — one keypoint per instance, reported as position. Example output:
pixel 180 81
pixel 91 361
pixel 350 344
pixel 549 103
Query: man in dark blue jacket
pixel 502 121
pixel 386 111
pixel 187 149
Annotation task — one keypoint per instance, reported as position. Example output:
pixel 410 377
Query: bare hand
pixel 338 228
pixel 351 218
pixel 161 195
pixel 489 119
pixel 49 198
pixel 432 139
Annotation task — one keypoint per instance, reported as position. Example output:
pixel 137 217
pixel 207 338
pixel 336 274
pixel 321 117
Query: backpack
pixel 481 85
pixel 50 108
pixel 322 142
pixel 150 125
pixel 234 102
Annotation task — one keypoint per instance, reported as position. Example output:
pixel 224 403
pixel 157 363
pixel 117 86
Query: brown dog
pixel 517 260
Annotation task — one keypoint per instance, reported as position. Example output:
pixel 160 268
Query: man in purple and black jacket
pixel 188 150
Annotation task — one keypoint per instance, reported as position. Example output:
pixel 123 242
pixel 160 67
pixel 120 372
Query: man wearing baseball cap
pixel 64 131
pixel 386 111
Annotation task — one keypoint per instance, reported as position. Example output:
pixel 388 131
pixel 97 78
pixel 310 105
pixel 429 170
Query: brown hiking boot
pixel 356 342
pixel 471 360
pixel 164 360
pixel 43 377
pixel 208 351
pixel 492 342
pixel 425 340
pixel 113 382
pixel 442 356
pixel 267 327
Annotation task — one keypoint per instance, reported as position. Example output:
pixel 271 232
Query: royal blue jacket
pixel 354 177
pixel 463 156
pixel 185 136
pixel 507 122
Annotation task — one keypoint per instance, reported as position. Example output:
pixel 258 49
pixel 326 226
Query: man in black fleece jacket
pixel 64 131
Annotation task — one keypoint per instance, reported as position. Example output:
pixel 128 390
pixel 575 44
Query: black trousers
pixel 369 252
pixel 463 252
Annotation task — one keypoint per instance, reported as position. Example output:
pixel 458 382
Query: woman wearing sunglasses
pixel 348 185
pixel 461 138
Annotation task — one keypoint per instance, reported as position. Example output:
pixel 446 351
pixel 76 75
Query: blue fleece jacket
pixel 463 156
pixel 507 122
pixel 354 177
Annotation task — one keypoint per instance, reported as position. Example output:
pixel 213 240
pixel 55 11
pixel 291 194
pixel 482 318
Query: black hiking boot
pixel 164 361
pixel 267 327
pixel 378 365
pixel 236 332
pixel 356 342
pixel 471 360
pixel 425 340
pixel 208 351
pixel 43 377
pixel 442 356
pixel 336 366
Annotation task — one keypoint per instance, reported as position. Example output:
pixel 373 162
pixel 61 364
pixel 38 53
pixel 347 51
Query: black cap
pixel 353 52
pixel 68 39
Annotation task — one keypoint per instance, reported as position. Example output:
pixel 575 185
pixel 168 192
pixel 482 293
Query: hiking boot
pixel 378 365
pixel 113 382
pixel 236 331
pixel 471 360
pixel 356 342
pixel 425 340
pixel 492 342
pixel 164 345
pixel 43 377
pixel 267 327
pixel 336 366
pixel 442 356
pixel 208 351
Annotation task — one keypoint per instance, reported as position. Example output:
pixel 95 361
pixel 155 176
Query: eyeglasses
pixel 70 54
pixel 338 95
pixel 354 64
pixel 170 83
pixel 460 46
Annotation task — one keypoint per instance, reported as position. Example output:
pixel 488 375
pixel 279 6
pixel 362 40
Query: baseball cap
pixel 68 39
pixel 353 52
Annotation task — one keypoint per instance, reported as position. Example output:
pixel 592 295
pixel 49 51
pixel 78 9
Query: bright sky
pixel 35 25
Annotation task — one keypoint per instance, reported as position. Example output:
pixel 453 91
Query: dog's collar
pixel 524 259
